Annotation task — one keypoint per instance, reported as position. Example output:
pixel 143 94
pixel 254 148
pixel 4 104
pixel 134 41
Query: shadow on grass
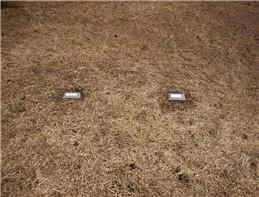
pixel 7 4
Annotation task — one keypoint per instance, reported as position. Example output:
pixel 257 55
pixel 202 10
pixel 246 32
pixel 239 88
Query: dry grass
pixel 123 138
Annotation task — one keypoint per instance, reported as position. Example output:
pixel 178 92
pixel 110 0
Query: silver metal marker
pixel 176 97
pixel 72 95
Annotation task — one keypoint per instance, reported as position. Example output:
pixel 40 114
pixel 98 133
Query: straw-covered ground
pixel 123 138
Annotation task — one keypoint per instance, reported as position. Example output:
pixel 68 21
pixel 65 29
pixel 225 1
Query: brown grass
pixel 123 138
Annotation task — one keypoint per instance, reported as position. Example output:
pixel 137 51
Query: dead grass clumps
pixel 123 138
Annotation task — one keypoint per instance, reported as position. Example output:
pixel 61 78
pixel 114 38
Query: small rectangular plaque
pixel 72 95
pixel 176 97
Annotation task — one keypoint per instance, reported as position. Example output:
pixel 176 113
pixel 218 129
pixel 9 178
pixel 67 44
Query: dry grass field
pixel 123 138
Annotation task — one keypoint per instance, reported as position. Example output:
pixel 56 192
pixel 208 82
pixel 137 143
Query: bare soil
pixel 123 138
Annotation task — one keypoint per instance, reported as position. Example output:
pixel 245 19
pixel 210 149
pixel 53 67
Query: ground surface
pixel 123 138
